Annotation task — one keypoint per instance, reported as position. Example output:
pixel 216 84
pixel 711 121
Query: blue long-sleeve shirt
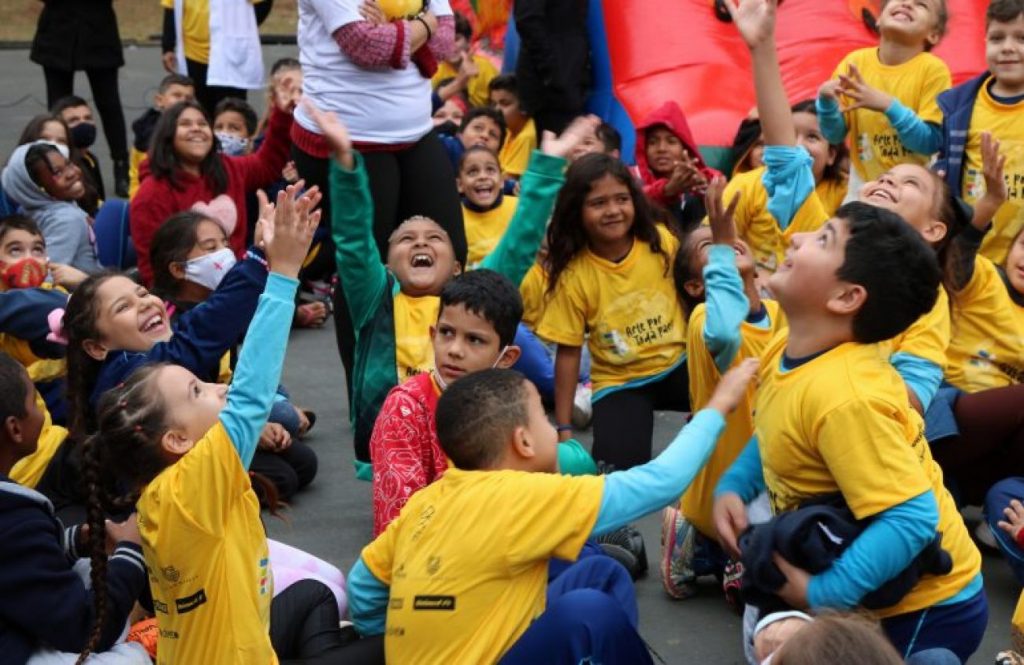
pixel 24 314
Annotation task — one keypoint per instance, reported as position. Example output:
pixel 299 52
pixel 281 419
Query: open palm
pixel 755 19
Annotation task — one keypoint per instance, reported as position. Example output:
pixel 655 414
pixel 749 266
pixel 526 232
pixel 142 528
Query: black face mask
pixel 83 135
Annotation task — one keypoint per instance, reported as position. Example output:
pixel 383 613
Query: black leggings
pixel 304 629
pixel 416 181
pixel 624 420
pixel 106 97
pixel 209 95
pixel 290 470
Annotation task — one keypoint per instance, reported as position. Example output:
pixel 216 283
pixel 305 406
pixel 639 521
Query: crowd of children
pixel 843 318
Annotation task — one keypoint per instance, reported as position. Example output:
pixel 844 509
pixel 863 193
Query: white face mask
pixel 443 385
pixel 232 144
pixel 209 269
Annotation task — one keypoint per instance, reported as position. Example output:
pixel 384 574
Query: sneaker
pixel 629 539
pixel 677 553
pixel 731 579
pixel 582 411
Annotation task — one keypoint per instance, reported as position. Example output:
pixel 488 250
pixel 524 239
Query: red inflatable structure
pixel 678 49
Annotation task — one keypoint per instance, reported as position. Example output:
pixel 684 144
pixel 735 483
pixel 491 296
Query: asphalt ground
pixel 332 520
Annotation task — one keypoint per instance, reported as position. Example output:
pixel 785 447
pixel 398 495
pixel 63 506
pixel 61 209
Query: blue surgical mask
pixel 232 144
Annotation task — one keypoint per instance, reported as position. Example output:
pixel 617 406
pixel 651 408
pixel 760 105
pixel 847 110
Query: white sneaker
pixel 582 411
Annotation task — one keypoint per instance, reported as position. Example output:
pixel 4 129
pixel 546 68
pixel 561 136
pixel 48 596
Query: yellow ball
pixel 394 9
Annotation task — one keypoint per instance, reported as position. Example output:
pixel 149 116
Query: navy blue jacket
pixel 43 601
pixel 202 335
pixel 957 105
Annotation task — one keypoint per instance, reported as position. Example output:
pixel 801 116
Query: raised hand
pixel 334 132
pixel 831 89
pixel 755 20
pixel 732 387
pixel 993 167
pixel 859 94
pixel 289 233
pixel 574 134
pixel 720 216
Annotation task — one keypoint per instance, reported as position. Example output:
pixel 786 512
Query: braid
pixel 91 471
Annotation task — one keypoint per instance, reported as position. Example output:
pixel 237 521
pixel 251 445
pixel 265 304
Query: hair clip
pixel 57 334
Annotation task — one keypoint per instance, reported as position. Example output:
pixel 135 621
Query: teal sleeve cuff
pixel 915 134
pixel 726 306
pixel 788 179
pixel 367 600
pixel 830 120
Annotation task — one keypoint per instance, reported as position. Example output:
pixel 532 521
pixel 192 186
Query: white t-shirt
pixel 377 105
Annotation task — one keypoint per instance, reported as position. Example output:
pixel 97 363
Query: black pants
pixel 416 181
pixel 624 420
pixel 304 629
pixel 209 95
pixel 290 470
pixel 106 97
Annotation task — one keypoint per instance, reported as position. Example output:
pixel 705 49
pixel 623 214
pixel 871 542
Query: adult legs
pixel 107 98
pixel 59 83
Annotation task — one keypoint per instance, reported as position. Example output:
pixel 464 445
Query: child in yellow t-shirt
pixel 884 98
pixel 484 596
pixel 521 138
pixel 486 210
pixel 729 322
pixel 467 72
pixel 832 417
pixel 994 103
pixel 609 276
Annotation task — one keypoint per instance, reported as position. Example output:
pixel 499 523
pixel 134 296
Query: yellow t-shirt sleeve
pixel 936 80
pixel 379 555
pixel 553 516
pixel 564 320
pixel 207 481
pixel 864 445
pixel 515 154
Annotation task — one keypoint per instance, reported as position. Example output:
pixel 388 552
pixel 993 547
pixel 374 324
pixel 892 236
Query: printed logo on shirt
pixel 189 603
pixel 434 603
pixel 433 564
pixel 264 576
pixel 396 603
pixel 159 607
pixel 171 574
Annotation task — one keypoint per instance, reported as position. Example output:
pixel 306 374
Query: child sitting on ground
pixel 521 139
pixel 77 115
pixel 173 88
pixel 234 125
pixel 486 211
pixel 884 99
pixel 490 584
pixel 470 72
pixel 393 305
pixel 482 126
pixel 45 604
pixel 833 417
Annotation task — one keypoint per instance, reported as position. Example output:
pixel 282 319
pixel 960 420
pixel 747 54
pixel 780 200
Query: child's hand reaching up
pixel 830 89
pixel 287 235
pixel 721 218
pixel 334 132
pixel 860 94
pixel 562 145
pixel 755 20
pixel 732 387
pixel 993 166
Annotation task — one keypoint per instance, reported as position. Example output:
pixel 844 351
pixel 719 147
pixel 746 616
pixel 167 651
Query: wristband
pixel 563 428
pixel 255 256
pixel 422 20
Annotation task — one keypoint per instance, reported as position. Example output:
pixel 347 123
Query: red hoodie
pixel 157 200
pixel 670 116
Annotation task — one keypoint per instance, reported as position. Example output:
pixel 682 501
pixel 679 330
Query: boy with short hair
pixel 889 93
pixel 483 596
pixel 173 88
pixel 832 417
pixel 77 115
pixel 992 102
pixel 480 126
pixel 234 125
pixel 521 139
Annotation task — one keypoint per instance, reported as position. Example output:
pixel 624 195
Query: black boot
pixel 121 178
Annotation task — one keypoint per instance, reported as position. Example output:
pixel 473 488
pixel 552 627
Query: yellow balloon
pixel 401 8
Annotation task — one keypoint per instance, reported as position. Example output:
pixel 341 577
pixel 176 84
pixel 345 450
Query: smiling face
pixel 465 342
pixel 807 278
pixel 421 257
pixel 479 178
pixel 608 214
pixel 193 138
pixel 1015 264
pixel 61 178
pixel 482 131
pixel 911 191
pixel 664 150
pixel 808 135
pixel 1004 53
pixel 910 21
pixel 192 406
pixel 18 244
pixel 128 318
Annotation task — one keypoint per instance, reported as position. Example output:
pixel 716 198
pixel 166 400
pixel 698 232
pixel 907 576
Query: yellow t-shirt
pixel 485 229
pixel 195 27
pixel 414 350
pixel 1006 123
pixel 875 147
pixel 534 291
pixel 739 425
pixel 476 87
pixel 515 153
pixel 841 422
pixel 467 599
pixel 637 327
pixel 759 229
pixel 206 552
pixel 987 349
pixel 929 336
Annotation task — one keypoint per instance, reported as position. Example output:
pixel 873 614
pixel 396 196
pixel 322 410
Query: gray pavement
pixel 332 518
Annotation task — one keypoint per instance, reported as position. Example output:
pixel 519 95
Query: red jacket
pixel 404 448
pixel 670 116
pixel 157 200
